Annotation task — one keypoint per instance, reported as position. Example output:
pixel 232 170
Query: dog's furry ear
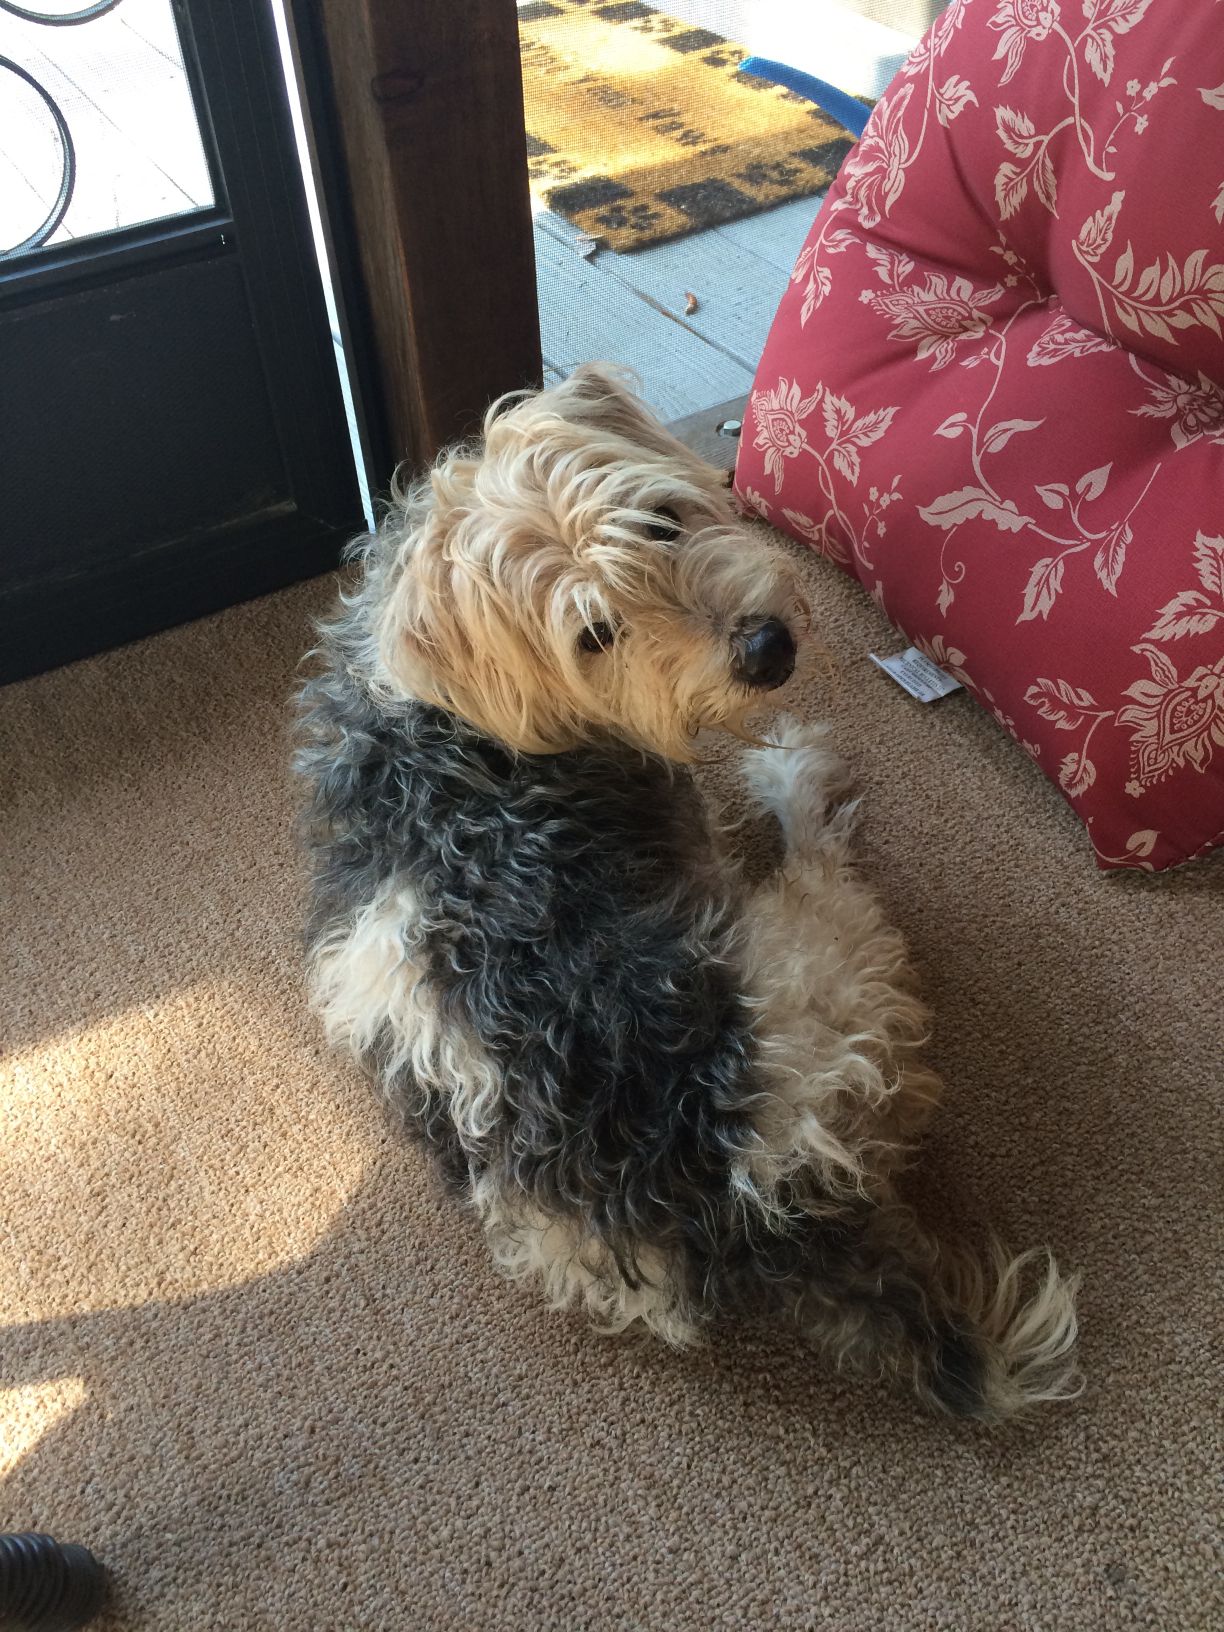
pixel 600 396
pixel 446 633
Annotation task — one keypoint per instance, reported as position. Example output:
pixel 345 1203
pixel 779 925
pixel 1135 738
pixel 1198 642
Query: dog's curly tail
pixel 975 1336
pixel 1002 1337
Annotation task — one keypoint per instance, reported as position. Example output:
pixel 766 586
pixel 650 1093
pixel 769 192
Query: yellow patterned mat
pixel 641 128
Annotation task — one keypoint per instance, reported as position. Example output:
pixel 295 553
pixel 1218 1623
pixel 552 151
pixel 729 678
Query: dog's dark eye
pixel 665 527
pixel 597 638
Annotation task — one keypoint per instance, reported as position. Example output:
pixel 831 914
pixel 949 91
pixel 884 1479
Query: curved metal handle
pixel 68 174
pixel 63 19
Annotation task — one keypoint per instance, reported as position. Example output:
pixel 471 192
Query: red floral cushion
pixel 994 392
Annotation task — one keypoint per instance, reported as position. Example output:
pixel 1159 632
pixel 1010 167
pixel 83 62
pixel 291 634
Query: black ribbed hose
pixel 46 1586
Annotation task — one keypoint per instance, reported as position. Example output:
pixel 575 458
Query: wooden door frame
pixel 416 109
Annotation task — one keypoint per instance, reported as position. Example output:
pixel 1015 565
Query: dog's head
pixel 579 572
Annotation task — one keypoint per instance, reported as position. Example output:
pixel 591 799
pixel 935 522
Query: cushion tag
pixel 917 674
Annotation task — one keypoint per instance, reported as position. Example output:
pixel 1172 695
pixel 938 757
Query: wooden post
pixel 427 100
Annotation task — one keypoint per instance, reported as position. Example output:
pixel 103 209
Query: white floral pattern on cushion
pixel 781 434
pixel 1036 201
pixel 1018 22
pixel 1176 720
pixel 936 315
pixel 1196 407
pixel 779 425
pixel 1061 339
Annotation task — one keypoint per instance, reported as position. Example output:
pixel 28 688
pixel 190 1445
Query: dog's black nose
pixel 766 655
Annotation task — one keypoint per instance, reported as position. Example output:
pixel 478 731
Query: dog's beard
pixel 667 691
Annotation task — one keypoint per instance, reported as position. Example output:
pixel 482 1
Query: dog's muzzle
pixel 765 655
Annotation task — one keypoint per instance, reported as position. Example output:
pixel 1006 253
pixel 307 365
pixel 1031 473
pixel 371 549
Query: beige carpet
pixel 251 1357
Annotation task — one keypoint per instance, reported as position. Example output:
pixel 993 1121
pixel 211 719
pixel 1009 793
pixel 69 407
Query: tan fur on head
pixel 492 577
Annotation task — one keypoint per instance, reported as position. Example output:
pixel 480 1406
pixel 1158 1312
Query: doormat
pixel 641 128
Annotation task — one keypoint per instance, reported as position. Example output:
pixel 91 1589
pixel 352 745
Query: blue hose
pixel 846 109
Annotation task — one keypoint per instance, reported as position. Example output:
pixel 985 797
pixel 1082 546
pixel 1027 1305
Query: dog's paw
pixel 799 765
pixel 802 778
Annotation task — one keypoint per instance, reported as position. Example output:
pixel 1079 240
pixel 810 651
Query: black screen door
pixel 172 431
